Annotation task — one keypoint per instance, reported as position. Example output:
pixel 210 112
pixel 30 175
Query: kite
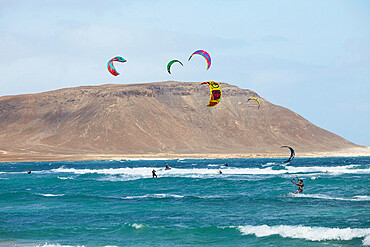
pixel 203 54
pixel 111 67
pixel 215 93
pixel 259 103
pixel 170 64
pixel 292 153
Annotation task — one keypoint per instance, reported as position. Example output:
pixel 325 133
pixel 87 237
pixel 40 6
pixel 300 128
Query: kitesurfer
pixel 300 185
pixel 28 171
pixel 154 173
pixel 167 167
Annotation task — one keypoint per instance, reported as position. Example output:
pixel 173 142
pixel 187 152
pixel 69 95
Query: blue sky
pixel 312 57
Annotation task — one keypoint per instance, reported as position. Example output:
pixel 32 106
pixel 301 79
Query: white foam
pixel 137 226
pixel 65 178
pixel 154 196
pixel 363 198
pixel 333 170
pixel 58 245
pixel 210 197
pixel 366 241
pixel 270 164
pixel 50 195
pixel 145 172
pixel 305 232
pixel 321 196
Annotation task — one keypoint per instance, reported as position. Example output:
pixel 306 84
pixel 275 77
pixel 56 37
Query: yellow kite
pixel 259 104
pixel 215 93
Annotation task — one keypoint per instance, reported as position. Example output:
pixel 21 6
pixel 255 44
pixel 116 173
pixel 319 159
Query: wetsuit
pixel 154 175
pixel 300 188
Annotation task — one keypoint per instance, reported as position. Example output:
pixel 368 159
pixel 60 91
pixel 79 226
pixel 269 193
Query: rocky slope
pixel 151 118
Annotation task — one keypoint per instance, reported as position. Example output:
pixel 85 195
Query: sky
pixel 312 57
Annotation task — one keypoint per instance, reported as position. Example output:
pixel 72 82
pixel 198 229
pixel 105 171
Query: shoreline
pixel 8 157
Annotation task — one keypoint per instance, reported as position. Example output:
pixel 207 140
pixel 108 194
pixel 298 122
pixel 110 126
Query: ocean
pixel 118 203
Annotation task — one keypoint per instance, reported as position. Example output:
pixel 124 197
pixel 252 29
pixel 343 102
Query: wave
pixel 49 195
pixel 270 164
pixel 366 241
pixel 65 178
pixel 210 197
pixel 145 172
pixel 321 196
pixel 58 245
pixel 153 196
pixel 137 226
pixel 306 232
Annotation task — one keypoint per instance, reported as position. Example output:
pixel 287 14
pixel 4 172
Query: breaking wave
pixel 144 172
pixel 137 226
pixel 321 196
pixel 305 232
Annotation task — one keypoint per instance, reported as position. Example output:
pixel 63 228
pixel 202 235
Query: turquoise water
pixel 118 203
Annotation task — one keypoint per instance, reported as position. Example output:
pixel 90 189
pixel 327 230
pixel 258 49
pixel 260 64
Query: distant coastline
pixel 37 157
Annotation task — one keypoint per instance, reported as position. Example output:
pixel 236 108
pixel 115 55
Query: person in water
pixel 219 171
pixel 300 184
pixel 167 167
pixel 154 173
pixel 28 171
pixel 226 164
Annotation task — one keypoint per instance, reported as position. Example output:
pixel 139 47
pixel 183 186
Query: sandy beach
pixel 39 157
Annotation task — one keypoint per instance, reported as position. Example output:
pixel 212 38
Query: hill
pixel 150 120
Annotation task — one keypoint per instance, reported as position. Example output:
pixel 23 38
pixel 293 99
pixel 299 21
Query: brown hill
pixel 152 118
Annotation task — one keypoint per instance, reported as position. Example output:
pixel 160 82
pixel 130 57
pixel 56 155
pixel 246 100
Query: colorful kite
pixel 170 64
pixel 203 54
pixel 259 103
pixel 111 67
pixel 215 93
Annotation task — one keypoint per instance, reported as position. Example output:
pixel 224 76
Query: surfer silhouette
pixel 154 173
